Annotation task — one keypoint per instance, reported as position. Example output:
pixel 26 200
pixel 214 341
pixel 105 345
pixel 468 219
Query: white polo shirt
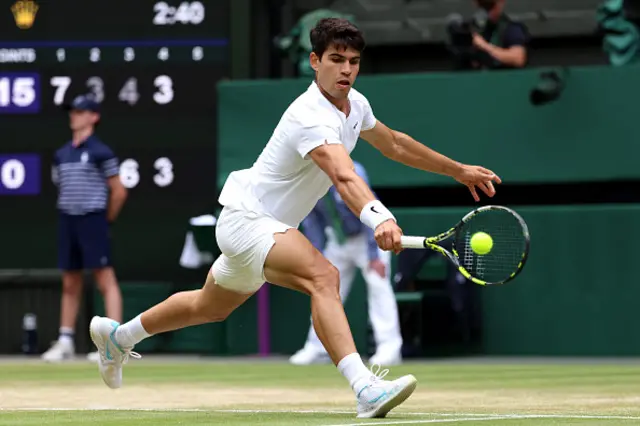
pixel 284 182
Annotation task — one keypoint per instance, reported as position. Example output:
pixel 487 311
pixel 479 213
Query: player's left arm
pixel 404 149
pixel 117 192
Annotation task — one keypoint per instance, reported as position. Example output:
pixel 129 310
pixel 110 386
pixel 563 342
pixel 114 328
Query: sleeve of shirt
pixel 313 228
pixel 109 163
pixel 368 119
pixel 313 136
pixel 515 36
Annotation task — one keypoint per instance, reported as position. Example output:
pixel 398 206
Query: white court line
pixel 455 416
pixel 486 418
pixel 502 416
pixel 416 421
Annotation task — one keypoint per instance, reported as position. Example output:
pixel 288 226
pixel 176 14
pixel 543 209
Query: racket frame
pixel 412 242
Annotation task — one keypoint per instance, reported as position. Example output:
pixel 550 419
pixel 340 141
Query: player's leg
pixel 313 350
pixel 294 263
pixel 383 314
pixel 233 285
pixel 70 263
pixel 212 303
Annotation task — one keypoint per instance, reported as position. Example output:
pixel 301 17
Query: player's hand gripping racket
pixel 489 245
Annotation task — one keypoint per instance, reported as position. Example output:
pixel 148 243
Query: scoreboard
pixel 153 66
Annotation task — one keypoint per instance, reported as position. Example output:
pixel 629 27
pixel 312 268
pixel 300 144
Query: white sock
pixel 130 333
pixel 66 335
pixel 354 370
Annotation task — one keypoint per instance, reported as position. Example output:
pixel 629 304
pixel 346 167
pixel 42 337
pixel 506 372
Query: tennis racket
pixel 505 260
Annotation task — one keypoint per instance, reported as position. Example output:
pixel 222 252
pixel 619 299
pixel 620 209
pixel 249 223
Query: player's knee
pixel 326 280
pixel 212 316
pixel 203 312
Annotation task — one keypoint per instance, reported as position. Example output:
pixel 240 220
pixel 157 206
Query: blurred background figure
pixel 297 44
pixel 350 245
pixel 90 198
pixel 618 22
pixel 488 40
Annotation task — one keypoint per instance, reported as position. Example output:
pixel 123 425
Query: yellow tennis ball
pixel 481 243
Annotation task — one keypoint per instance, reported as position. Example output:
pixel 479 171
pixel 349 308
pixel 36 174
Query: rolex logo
pixel 24 13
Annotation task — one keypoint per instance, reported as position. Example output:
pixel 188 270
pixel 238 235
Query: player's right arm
pixel 334 160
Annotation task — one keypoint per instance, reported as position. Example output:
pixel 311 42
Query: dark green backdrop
pixel 591 133
pixel 576 295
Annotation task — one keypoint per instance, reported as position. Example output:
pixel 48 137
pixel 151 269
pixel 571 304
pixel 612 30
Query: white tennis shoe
pixel 380 396
pixel 112 354
pixel 310 355
pixel 59 351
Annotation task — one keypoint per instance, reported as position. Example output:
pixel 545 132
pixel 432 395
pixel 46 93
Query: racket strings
pixel 509 245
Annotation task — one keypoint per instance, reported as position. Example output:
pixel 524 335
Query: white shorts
pixel 245 239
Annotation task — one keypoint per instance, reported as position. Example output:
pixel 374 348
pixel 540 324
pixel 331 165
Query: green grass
pixel 449 394
pixel 133 418
pixel 441 376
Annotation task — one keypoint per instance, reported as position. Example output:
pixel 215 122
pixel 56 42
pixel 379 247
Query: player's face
pixel 337 71
pixel 81 119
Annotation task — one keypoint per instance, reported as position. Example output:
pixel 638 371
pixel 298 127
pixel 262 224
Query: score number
pixel 19 92
pixel 130 172
pixel 128 93
pixel 129 54
pixel 19 174
pixel 186 13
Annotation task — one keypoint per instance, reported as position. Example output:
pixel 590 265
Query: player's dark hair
pixel 336 31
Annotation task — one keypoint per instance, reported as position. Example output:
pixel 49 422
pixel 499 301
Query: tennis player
pixel 256 230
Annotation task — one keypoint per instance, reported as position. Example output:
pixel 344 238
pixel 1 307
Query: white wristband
pixel 374 213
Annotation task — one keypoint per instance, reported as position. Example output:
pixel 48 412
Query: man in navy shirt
pixel 349 245
pixel 502 43
pixel 90 196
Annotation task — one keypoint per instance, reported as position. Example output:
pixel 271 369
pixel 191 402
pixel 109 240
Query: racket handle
pixel 412 242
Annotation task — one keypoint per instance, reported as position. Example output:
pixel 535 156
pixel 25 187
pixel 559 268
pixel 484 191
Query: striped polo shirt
pixel 81 173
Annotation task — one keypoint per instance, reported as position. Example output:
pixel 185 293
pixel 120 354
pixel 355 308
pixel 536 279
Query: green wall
pixel 578 292
pixel 591 133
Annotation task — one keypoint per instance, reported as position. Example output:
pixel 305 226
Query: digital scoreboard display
pixel 153 66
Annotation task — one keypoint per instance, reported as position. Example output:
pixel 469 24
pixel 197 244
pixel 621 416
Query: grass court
pixel 161 391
